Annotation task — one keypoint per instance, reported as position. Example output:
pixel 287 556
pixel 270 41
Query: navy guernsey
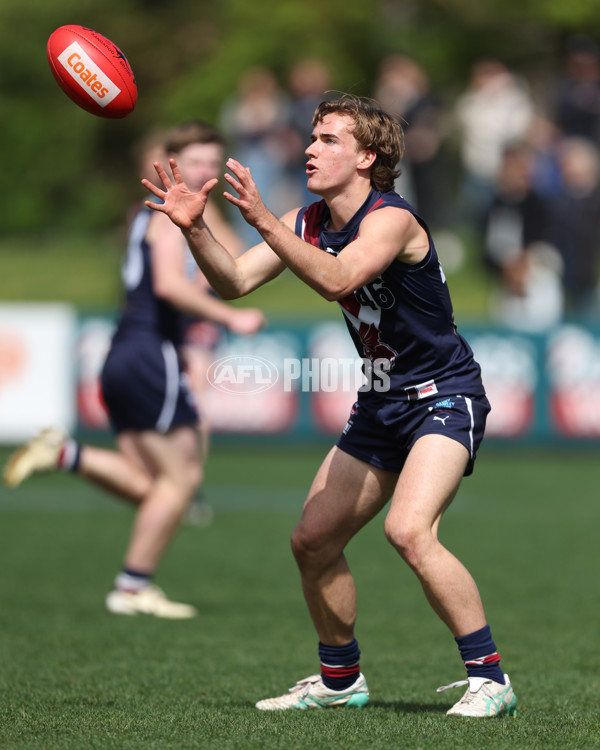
pixel 144 312
pixel 404 316
pixel 142 377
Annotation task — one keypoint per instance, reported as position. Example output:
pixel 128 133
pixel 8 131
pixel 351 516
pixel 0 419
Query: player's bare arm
pixel 230 277
pixel 222 230
pixel 384 235
pixel 171 283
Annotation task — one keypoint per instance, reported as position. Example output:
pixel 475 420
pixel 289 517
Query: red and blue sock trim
pixel 340 665
pixel 480 656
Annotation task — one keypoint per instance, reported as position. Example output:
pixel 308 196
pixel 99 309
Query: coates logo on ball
pixel 92 71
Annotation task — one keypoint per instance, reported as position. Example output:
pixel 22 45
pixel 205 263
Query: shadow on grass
pixel 399 707
pixel 408 708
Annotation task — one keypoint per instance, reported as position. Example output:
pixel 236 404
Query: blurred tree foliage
pixel 65 169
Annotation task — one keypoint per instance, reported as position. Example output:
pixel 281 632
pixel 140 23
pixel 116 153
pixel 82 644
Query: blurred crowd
pixel 512 172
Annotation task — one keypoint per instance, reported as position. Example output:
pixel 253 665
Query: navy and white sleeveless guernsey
pixel 143 380
pixel 404 316
pixel 144 312
pixel 404 321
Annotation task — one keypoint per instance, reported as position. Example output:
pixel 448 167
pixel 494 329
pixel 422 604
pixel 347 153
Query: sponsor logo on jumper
pixel 447 403
pixel 84 71
pixel 422 390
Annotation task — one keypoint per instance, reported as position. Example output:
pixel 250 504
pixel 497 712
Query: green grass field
pixel 73 676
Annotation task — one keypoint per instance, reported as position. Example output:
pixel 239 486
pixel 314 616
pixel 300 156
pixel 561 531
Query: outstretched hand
pixel 248 200
pixel 179 203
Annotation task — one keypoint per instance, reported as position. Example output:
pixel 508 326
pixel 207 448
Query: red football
pixel 92 71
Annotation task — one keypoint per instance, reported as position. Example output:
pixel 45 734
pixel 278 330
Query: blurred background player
pixel 157 465
pixel 202 147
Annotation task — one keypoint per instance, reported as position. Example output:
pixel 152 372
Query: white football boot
pixel 483 698
pixel 149 600
pixel 39 454
pixel 312 693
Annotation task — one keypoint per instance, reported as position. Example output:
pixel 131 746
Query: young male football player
pixel 363 246
pixel 157 466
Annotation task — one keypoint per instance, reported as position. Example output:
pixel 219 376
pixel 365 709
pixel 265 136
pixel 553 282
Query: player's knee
pixel 193 476
pixel 305 546
pixel 313 551
pixel 299 544
pixel 407 540
pixel 185 478
pixel 138 487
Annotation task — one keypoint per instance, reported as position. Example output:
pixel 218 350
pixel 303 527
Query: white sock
pixel 134 583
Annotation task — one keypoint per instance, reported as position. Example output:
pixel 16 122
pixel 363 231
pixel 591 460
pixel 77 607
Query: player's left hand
pixel 249 201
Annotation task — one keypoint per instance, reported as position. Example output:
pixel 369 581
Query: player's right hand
pixel 179 203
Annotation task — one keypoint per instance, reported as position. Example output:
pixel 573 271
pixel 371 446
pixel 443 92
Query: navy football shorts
pixel 144 388
pixel 382 431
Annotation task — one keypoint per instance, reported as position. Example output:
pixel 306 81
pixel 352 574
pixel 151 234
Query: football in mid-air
pixel 92 71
